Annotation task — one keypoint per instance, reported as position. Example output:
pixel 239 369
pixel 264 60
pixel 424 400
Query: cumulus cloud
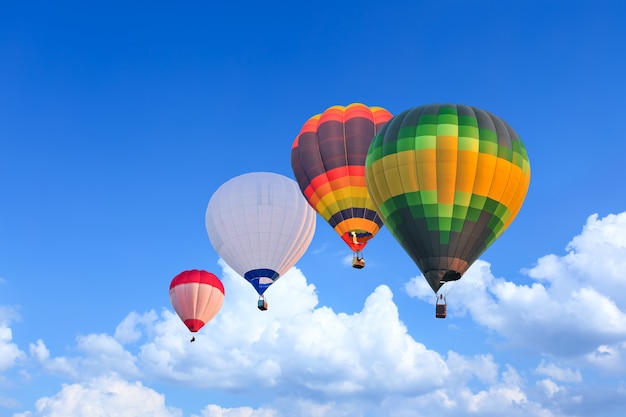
pixel 558 373
pixel 10 353
pixel 296 342
pixel 308 360
pixel 103 396
pixel 575 306
pixel 97 354
pixel 214 410
pixel 311 360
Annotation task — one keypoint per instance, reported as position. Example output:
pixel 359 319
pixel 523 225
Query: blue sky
pixel 118 121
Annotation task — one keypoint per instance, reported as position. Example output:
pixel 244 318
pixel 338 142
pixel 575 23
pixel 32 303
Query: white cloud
pixel 323 352
pixel 309 359
pixel 127 332
pixel 9 351
pixel 102 397
pixel 315 362
pixel 558 373
pixel 576 305
pixel 213 410
pixel 98 354
pixel 596 259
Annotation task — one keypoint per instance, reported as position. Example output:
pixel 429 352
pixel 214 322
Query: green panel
pixel 517 160
pixel 473 214
pixel 400 201
pixel 448 119
pixel 425 142
pixel 417 211
pixel 374 154
pixel 478 201
pixel 468 121
pixel 459 212
pixel 387 207
pixel 488 135
pixel 389 148
pixel 405 144
pixel 428 119
pixel 445 110
pixel 432 223
pixel 457 224
pixel 501 211
pixel 407 132
pixel 444 236
pixel 414 199
pixel 428 196
pixel 462 198
pixel 505 152
pixel 426 130
pixel 445 210
pixel 468 132
pixel 487 147
pixel 430 210
pixel 491 206
pixel 447 130
pixel 445 224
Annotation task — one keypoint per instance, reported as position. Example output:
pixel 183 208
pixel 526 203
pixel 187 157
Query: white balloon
pixel 260 224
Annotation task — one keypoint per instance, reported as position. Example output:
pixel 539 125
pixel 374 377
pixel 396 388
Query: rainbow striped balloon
pixel 328 161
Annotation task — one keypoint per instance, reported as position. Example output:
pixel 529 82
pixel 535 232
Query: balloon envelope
pixel 260 225
pixel 197 297
pixel 328 161
pixel 447 180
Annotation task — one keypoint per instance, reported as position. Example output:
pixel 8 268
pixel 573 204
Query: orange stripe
pixel 358 110
pixel 310 125
pixel 322 187
pixel 333 114
pixel 337 173
pixel 356 224
pixel 380 115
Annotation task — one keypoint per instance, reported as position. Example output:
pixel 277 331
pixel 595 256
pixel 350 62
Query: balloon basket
pixel 440 311
pixel 358 263
pixel 262 304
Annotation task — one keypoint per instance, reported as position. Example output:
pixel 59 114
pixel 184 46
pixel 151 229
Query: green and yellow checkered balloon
pixel 447 180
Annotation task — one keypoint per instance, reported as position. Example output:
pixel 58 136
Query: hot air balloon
pixel 197 297
pixel 447 180
pixel 328 161
pixel 260 225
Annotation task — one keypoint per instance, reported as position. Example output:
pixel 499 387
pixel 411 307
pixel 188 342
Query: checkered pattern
pixel 447 181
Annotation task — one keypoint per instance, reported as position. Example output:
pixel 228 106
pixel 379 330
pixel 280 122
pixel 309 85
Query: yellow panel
pixel 406 163
pixel 426 160
pixel 390 166
pixel 466 171
pixel 446 168
pixel 520 193
pixel 484 174
pixel 500 179
pixel 515 176
pixel 380 190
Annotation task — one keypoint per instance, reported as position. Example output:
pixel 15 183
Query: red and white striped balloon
pixel 197 297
